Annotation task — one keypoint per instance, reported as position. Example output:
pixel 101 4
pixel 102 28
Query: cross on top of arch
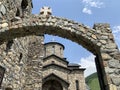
pixel 45 11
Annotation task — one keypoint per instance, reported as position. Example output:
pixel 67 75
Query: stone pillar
pixel 34 64
pixel 109 57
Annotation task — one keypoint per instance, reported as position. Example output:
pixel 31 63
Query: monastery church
pixel 58 73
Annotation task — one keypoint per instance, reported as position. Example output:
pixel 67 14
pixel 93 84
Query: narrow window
pixel 20 57
pixel 45 52
pixel 77 85
pixel 53 49
pixel 61 51
pixel 18 12
pixel 9 45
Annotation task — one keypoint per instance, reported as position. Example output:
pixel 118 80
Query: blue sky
pixel 87 12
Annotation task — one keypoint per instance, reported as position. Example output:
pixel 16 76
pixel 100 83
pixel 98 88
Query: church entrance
pixel 52 85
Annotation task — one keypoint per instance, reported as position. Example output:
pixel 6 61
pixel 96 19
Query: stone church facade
pixel 58 73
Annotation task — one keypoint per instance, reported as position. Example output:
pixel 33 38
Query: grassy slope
pixel 92 82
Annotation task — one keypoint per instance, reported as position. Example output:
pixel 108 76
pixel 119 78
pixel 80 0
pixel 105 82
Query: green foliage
pixel 92 82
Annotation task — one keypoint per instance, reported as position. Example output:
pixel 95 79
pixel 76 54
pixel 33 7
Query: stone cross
pixel 45 11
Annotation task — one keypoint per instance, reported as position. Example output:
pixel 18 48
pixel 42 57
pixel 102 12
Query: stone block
pixel 4 25
pixel 106 56
pixel 117 72
pixel 103 41
pixel 109 70
pixel 118 66
pixel 94 36
pixel 112 87
pixel 116 80
pixel 118 88
pixel 111 46
pixel 113 63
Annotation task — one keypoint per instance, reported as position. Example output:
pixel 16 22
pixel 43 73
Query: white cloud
pixel 86 10
pixel 92 3
pixel 116 29
pixel 116 32
pixel 89 64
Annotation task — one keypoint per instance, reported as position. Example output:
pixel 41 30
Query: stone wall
pixel 15 58
pixel 73 77
pixel 13 55
pixel 34 63
pixel 110 57
pixel 15 8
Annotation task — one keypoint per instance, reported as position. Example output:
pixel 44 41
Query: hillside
pixel 92 82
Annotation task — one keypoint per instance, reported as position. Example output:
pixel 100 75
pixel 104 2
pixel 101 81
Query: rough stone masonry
pixel 16 21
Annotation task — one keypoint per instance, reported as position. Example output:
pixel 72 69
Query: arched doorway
pixel 52 85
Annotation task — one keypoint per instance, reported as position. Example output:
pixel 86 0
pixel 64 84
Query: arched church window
pixel 18 12
pixel 20 57
pixel 9 45
pixel 60 51
pixel 53 49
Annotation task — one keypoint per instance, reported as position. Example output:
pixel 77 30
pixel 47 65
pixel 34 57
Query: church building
pixel 58 73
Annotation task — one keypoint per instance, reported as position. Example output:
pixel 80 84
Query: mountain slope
pixel 92 82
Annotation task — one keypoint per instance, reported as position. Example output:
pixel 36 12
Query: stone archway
pixel 98 40
pixel 52 85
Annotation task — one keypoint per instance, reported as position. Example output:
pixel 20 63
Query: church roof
pixel 53 64
pixel 65 68
pixel 74 65
pixel 53 55
pixel 55 43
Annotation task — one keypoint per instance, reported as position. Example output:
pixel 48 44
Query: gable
pixel 55 77
pixel 56 60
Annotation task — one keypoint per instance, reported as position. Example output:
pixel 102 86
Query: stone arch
pixel 98 40
pixel 51 80
pixel 52 85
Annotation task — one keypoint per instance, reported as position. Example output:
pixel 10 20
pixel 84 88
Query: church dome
pixel 54 48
